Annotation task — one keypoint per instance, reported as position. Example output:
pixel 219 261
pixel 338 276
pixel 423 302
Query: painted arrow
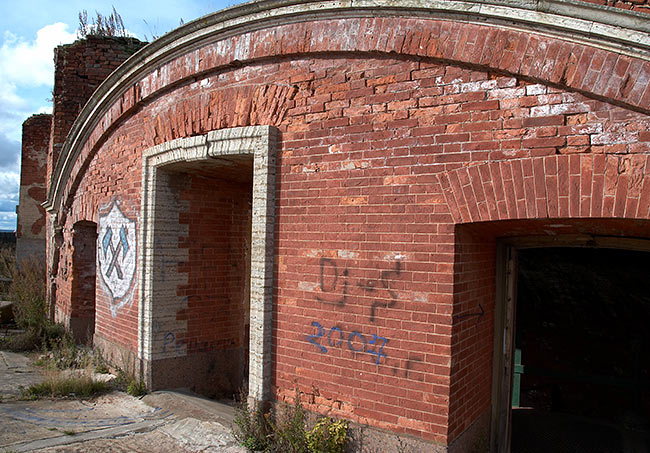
pixel 479 315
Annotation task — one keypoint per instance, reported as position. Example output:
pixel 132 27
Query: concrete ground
pixel 167 421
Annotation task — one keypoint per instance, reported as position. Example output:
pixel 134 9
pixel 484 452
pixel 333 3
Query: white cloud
pixel 9 185
pixel 25 65
pixel 30 63
pixel 26 68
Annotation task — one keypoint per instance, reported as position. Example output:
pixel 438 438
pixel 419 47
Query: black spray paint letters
pixel 355 341
pixel 331 278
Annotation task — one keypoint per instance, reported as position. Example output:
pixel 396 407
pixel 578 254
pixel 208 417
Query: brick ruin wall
pixel 79 69
pixel 380 158
pixel 30 225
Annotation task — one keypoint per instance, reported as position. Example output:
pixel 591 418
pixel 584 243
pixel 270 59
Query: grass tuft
pixel 59 384
pixel 287 430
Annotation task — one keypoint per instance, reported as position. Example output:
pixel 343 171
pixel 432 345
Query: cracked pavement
pixel 164 421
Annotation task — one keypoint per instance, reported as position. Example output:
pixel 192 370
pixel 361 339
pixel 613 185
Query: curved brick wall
pixel 394 132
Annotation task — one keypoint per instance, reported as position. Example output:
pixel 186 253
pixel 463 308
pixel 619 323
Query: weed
pixel 24 341
pixel 102 368
pixel 136 388
pixel 110 25
pixel 7 267
pixel 287 431
pixel 69 432
pixel 127 381
pixel 58 383
pixel 62 353
pixel 289 434
pixel 27 291
pixel 328 435
pixel 252 428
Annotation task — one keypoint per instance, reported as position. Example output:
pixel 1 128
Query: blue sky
pixel 29 31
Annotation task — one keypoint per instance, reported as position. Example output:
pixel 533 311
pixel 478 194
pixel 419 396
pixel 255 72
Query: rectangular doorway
pixel 206 266
pixel 575 367
pixel 205 334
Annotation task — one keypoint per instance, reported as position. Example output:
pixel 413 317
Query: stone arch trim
pixel 258 142
pixel 556 186
pixel 598 51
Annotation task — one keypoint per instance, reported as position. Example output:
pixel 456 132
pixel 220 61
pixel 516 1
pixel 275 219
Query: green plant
pixel 24 341
pixel 289 433
pixel 252 428
pixel 7 269
pixel 62 352
pixel 286 431
pixel 110 25
pixel 328 435
pixel 136 388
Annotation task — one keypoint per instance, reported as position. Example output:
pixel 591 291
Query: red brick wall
pixel 641 6
pixel 30 228
pixel 94 196
pixel 362 142
pixel 79 68
pixel 473 331
pixel 218 242
pixel 380 158
pixel 83 278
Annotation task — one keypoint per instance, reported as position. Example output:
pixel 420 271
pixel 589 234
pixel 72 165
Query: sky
pixel 29 31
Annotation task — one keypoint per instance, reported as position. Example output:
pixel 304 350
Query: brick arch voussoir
pixel 559 61
pixel 557 186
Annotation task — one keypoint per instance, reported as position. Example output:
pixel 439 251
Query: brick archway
pixel 593 66
pixel 555 186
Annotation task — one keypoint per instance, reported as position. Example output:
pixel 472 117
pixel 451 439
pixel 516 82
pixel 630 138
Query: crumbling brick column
pixel 30 228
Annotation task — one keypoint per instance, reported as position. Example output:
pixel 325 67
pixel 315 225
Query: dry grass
pixel 61 384
pixel 27 291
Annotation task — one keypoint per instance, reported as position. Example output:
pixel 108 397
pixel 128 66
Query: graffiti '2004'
pixel 355 340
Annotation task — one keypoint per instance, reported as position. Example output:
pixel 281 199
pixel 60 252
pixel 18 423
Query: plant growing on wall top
pixel 111 25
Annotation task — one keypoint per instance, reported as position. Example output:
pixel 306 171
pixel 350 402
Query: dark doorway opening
pixel 582 351
pixel 84 274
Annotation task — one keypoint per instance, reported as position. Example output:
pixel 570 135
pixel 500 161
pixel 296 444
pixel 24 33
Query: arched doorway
pixel 581 371
pixel 571 366
pixel 84 274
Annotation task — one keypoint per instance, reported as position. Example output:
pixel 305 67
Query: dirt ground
pixel 167 421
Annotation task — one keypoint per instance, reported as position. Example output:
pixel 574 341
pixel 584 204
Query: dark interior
pixel 582 328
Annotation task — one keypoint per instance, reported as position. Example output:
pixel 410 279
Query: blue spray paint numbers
pixel 379 354
pixel 334 289
pixel 313 339
pixel 356 341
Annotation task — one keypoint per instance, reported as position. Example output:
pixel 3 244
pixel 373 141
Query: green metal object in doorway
pixel 516 379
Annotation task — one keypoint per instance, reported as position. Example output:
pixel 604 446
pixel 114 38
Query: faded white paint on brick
pixel 116 256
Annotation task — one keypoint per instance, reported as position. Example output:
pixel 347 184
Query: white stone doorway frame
pixel 158 299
